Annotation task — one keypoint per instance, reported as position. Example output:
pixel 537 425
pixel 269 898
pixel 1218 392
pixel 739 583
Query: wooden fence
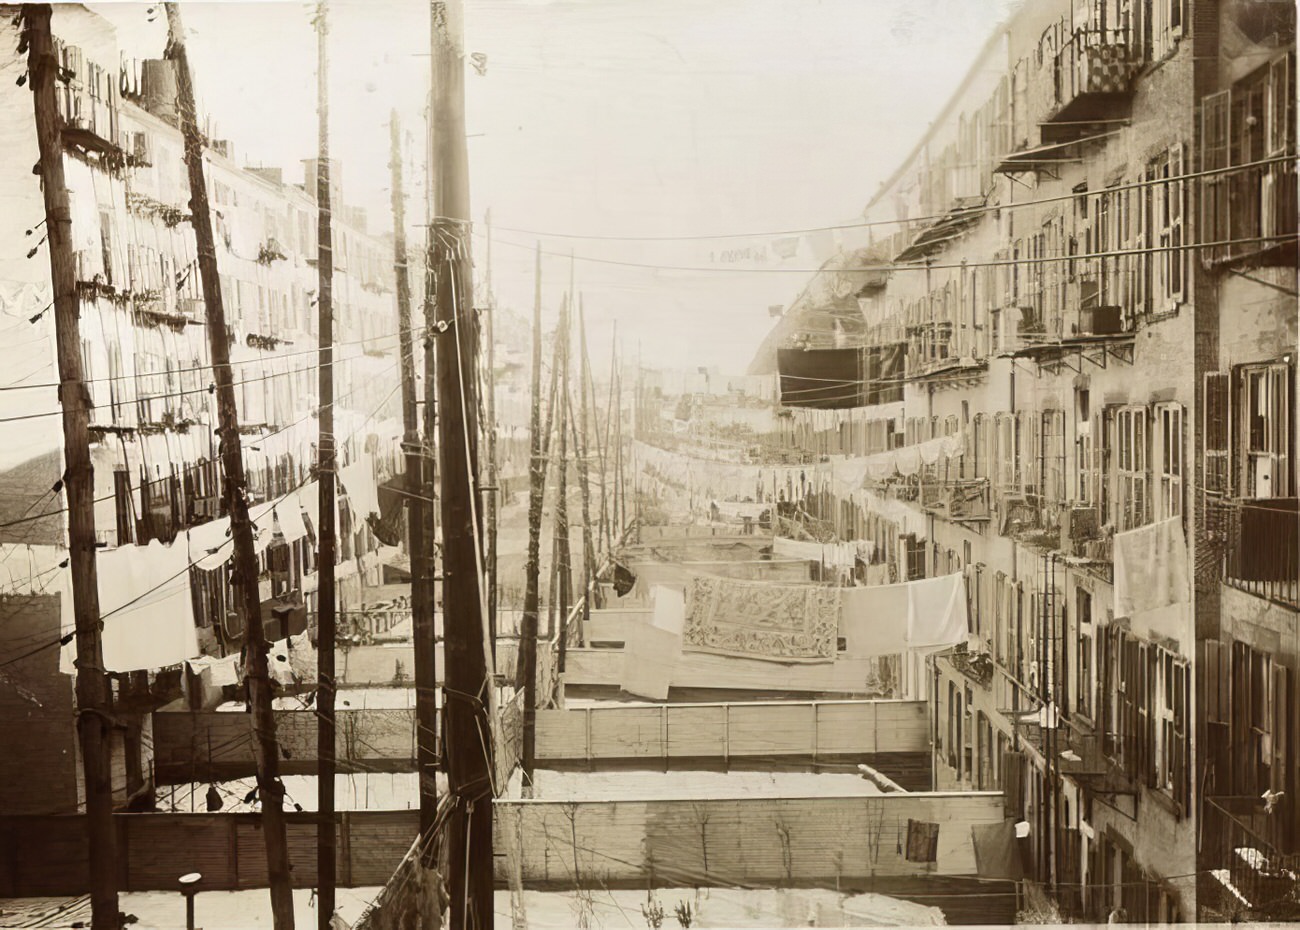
pixel 207 745
pixel 720 841
pixel 813 841
pixel 47 855
pixel 794 731
pixel 797 842
pixel 846 676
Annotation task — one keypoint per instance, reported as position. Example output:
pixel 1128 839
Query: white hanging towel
pixel 652 650
pixel 145 605
pixel 936 615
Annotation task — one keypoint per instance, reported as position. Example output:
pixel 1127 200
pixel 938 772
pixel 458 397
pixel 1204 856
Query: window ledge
pixel 1164 799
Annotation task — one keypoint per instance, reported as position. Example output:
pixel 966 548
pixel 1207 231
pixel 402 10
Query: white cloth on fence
pixel 652 650
pixel 278 664
pixel 302 658
pixel 216 672
pixel 1151 568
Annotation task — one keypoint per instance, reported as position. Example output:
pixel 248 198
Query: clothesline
pixel 843 475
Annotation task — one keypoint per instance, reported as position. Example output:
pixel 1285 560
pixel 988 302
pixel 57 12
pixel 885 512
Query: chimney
pixel 336 181
pixel 274 175
pixel 158 89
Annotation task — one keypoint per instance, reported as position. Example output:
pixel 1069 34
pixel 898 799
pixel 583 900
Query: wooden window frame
pixel 1168 462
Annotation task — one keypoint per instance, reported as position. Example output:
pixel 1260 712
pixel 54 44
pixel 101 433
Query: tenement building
pixel 160 513
pixel 1083 277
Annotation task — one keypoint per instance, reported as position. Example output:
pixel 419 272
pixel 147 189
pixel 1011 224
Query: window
pixel 106 245
pixel 981 444
pixel 1265 407
pixel 1281 104
pixel 1084 680
pixel 1004 452
pixel 1053 456
pixel 1131 468
pixel 1084 449
pixel 1248 446
pixel 1217 444
pixel 1169 460
pixel 1166 26
pixel 1171 706
pixel 1001 624
pixel 1164 224
pixel 1214 155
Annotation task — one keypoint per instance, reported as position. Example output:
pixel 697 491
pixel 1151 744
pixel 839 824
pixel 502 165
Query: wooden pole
pixel 94 699
pixel 584 466
pixel 424 624
pixel 563 554
pixel 532 571
pixel 552 597
pixel 244 581
pixel 493 489
pixel 469 702
pixel 611 411
pixel 620 503
pixel 418 541
pixel 327 469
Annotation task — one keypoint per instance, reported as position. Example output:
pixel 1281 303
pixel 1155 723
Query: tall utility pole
pixel 326 477
pixel 584 475
pixel 620 500
pixel 94 702
pixel 611 411
pixel 532 593
pixel 244 582
pixel 419 545
pixel 493 489
pixel 563 567
pixel 469 702
pixel 553 593
pixel 424 621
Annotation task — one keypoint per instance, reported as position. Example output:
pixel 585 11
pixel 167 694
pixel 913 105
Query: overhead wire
pixel 191 563
pixel 923 218
pixel 906 266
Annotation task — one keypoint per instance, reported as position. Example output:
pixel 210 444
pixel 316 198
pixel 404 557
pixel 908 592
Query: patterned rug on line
pixel 761 620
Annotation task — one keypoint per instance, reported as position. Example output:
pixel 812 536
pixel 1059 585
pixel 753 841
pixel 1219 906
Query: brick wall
pixel 36 710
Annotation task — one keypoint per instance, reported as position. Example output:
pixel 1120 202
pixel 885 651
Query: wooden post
pixel 606 502
pixel 424 624
pixel 94 700
pixel 584 475
pixel 620 500
pixel 532 594
pixel 327 469
pixel 269 787
pixel 563 567
pixel 493 489
pixel 552 598
pixel 417 506
pixel 469 702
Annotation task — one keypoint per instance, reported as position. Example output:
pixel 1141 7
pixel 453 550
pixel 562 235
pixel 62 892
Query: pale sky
pixel 660 118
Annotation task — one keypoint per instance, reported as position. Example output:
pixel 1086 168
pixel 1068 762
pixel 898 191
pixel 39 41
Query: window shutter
pixel 1150 701
pixel 1282 711
pixel 1279 104
pixel 1177 203
pixel 1218 430
pixel 1214 685
pixel 1106 691
pixel 1215 125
